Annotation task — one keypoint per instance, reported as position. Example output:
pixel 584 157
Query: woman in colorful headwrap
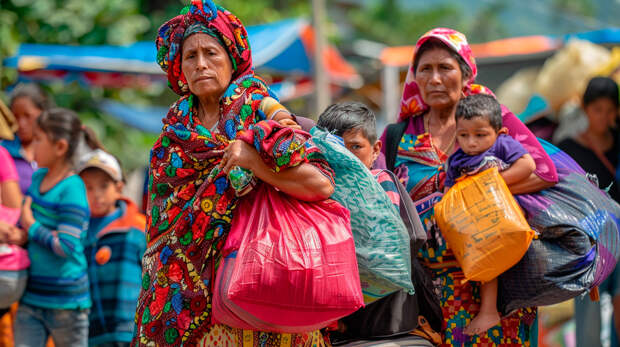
pixel 441 73
pixel 215 127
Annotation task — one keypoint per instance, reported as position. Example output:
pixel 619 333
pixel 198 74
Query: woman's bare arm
pixel 531 184
pixel 520 170
pixel 10 194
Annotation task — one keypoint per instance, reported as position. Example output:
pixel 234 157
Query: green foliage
pixel 487 26
pixel 391 23
pixel 77 21
pixel 89 23
pixel 575 7
pixel 265 11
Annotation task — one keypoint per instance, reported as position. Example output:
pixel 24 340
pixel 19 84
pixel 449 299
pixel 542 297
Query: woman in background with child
pixel 441 74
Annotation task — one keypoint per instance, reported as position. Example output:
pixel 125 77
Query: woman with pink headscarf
pixel 442 72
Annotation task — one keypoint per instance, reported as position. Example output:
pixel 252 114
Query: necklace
pixel 445 151
pixel 214 127
pixel 217 122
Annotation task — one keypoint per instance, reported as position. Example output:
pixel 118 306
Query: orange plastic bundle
pixel 483 225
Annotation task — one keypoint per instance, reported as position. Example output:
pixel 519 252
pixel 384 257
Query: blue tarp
pixel 275 46
pixel 603 36
pixel 145 118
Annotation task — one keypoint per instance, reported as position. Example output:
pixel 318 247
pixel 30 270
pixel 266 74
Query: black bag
pixel 394 133
pixel 397 313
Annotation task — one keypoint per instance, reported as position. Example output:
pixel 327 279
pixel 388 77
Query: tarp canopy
pixel 524 45
pixel 283 48
pixel 498 60
pixel 401 55
pixel 609 36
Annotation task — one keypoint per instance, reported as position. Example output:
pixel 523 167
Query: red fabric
pixel 226 25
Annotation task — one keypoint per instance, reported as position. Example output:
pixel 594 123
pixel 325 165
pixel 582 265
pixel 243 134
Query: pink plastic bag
pixel 295 269
pixel 12 257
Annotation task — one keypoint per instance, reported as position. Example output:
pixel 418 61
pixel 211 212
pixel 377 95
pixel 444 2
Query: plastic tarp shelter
pixel 283 49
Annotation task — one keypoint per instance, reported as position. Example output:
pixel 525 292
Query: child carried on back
pixel 484 144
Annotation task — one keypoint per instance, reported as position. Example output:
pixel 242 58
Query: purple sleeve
pixel 452 171
pixel 305 123
pixel 382 139
pixel 508 149
pixel 380 163
pixel 545 169
pixel 449 181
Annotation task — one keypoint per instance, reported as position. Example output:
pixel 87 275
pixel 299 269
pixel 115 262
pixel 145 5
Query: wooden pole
pixel 391 93
pixel 321 78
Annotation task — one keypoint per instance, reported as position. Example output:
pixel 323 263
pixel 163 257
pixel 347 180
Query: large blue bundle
pixel 381 238
pixel 578 245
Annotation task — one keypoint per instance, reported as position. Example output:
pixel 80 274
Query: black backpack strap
pixel 394 134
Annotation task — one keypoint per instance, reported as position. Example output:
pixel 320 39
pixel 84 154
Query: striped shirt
pixel 57 276
pixel 114 248
pixel 385 180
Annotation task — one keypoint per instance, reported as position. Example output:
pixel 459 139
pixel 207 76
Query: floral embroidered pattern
pixel 188 215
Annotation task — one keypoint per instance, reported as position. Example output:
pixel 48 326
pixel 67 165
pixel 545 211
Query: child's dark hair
pixel 63 124
pixel 601 87
pixel 480 105
pixel 342 117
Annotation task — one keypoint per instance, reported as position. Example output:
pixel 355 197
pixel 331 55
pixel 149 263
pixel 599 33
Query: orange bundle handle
pixel 483 225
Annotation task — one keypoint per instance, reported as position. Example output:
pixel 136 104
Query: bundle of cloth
pixel 578 244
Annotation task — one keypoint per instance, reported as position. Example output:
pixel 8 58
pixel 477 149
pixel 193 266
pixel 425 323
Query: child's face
pixel 475 135
pixel 358 144
pixel 47 152
pixel 101 190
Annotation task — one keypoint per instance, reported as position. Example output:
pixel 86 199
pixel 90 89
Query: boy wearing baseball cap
pixel 114 247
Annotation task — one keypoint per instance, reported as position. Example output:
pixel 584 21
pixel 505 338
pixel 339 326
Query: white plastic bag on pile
pixel 566 74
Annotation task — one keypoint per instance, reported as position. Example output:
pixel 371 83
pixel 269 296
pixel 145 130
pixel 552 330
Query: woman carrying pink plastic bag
pixel 294 269
pixel 207 57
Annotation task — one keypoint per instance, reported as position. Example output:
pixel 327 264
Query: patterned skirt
pixel 460 303
pixel 224 336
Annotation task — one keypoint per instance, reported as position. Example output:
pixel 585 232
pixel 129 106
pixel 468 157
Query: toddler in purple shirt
pixel 484 143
